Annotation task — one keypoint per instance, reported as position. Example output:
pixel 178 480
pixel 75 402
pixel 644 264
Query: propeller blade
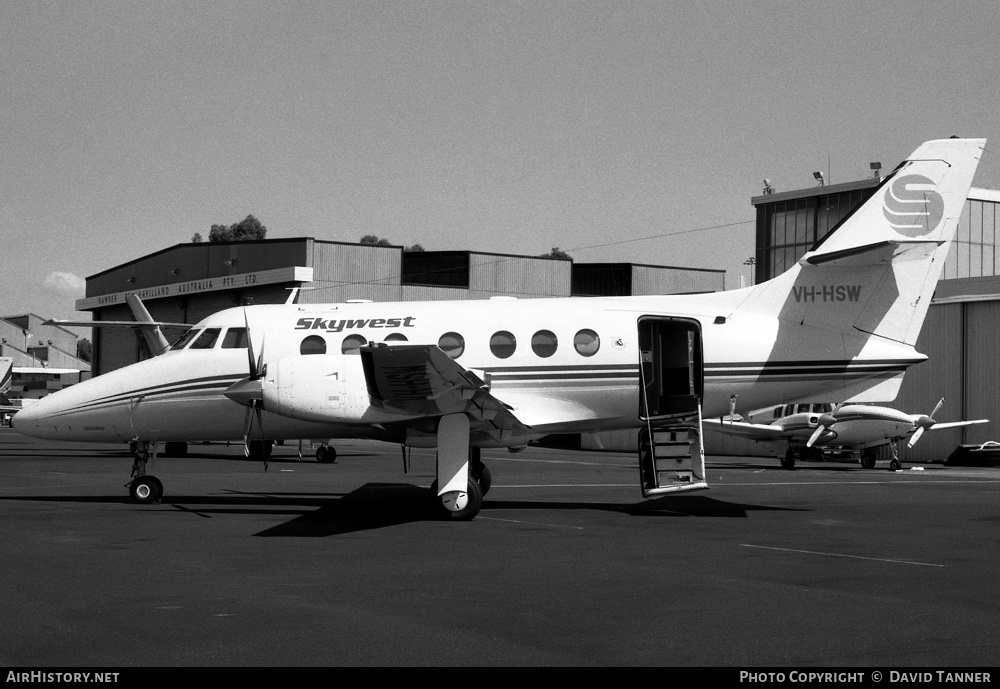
pixel 915 437
pixel 247 427
pixel 939 404
pixel 252 362
pixel 260 425
pixel 824 421
pixel 816 434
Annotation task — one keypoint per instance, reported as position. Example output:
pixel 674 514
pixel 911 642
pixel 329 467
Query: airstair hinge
pixel 672 457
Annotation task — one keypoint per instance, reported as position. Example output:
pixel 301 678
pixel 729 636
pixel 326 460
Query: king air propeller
pixel 825 421
pixel 923 423
pixel 249 392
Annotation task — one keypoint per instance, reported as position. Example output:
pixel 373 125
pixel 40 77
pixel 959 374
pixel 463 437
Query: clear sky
pixel 601 128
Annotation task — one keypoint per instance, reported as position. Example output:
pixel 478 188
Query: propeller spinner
pixel 923 423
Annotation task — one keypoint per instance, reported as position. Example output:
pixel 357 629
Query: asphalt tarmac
pixel 310 564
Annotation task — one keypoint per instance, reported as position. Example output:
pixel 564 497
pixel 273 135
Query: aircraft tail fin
pixel 874 274
pixel 155 339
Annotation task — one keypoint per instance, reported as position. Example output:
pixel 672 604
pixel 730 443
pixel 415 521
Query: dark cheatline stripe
pixel 807 370
pixel 164 390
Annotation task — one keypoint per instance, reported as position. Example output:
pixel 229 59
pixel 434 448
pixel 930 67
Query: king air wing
pixel 751 431
pixel 421 380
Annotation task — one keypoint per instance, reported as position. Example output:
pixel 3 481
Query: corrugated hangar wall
pixel 353 271
pixel 960 340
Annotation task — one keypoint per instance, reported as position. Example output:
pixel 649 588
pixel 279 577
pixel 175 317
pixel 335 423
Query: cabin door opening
pixel 670 358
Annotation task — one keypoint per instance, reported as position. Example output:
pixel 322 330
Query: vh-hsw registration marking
pixel 826 293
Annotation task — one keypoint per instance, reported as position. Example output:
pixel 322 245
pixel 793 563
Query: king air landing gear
pixel 144 489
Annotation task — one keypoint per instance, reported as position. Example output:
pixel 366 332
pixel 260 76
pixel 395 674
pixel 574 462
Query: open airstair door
pixel 671 453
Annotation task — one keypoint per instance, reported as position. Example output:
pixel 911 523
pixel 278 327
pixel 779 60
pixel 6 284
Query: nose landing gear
pixel 143 489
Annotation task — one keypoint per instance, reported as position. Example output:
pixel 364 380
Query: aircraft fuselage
pixel 561 364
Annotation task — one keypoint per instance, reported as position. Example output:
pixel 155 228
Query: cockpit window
pixel 235 338
pixel 185 339
pixel 207 339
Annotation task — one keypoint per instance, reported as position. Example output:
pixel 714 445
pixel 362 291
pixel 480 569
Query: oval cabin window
pixel 314 344
pixel 452 344
pixel 544 343
pixel 587 342
pixel 352 343
pixel 503 344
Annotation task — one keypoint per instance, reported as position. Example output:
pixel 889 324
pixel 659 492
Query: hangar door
pixel 671 365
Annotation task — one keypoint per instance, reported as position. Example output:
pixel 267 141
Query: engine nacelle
pixel 323 388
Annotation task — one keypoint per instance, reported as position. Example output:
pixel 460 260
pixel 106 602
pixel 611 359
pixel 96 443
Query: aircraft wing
pixel 741 429
pixel 421 380
pixel 955 424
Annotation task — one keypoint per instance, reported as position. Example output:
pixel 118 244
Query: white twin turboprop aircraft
pixel 463 375
pixel 804 428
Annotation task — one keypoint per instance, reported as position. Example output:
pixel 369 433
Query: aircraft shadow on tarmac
pixel 380 505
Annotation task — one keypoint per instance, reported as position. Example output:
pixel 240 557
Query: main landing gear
pixel 809 454
pixel 870 455
pixel 462 478
pixel 457 506
pixel 326 454
pixel 788 461
pixel 144 488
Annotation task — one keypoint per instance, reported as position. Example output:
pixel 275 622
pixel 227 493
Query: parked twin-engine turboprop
pixel 804 428
pixel 464 375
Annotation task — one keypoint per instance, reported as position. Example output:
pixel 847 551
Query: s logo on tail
pixel 912 206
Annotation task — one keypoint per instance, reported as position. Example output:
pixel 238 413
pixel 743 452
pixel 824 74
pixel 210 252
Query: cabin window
pixel 777 412
pixel 395 337
pixel 352 343
pixel 235 338
pixel 544 343
pixel 314 344
pixel 207 339
pixel 452 344
pixel 803 409
pixel 587 342
pixel 503 344
pixel 185 339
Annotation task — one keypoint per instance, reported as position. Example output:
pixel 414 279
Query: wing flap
pixel 421 380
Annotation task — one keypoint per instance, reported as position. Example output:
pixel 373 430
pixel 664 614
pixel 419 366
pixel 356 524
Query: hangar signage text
pixel 212 284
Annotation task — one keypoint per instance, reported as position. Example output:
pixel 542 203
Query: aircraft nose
pixel 27 419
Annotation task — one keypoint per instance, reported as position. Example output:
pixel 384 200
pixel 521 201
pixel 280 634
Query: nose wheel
pixel 143 489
